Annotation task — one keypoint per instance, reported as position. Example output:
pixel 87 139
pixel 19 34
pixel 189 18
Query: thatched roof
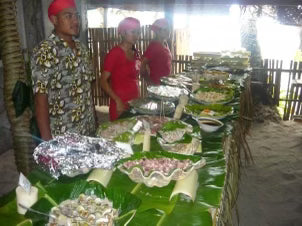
pixel 160 4
pixel 286 11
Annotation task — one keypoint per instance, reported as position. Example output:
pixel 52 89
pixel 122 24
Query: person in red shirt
pixel 157 58
pixel 119 78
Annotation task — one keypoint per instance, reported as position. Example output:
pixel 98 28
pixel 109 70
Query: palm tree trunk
pixel 14 70
pixel 249 40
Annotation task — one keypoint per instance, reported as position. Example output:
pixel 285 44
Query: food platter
pixel 73 154
pixel 82 203
pixel 150 106
pixel 159 168
pixel 86 209
pixel 155 122
pixel 118 130
pixel 208 96
pixel 166 93
pixel 209 75
pixel 178 80
pixel 215 111
pixel 176 136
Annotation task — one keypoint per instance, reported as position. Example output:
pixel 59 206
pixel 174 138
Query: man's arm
pixel 93 86
pixel 42 116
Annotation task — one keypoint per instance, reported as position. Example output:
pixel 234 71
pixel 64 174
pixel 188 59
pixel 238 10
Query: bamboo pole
pixel 14 70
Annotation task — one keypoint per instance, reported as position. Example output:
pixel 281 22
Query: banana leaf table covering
pixel 214 199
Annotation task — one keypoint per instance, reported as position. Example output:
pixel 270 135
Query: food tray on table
pixel 155 122
pixel 177 136
pixel 205 95
pixel 209 75
pixel 159 168
pixel 73 154
pixel 176 80
pixel 83 203
pixel 151 106
pixel 118 130
pixel 166 93
pixel 215 111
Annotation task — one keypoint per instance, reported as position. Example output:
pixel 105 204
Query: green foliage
pixel 173 125
pixel 220 109
pixel 123 137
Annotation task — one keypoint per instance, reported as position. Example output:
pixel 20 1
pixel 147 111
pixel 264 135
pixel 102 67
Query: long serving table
pixel 216 192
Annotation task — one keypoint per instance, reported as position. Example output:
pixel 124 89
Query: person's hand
pixel 120 107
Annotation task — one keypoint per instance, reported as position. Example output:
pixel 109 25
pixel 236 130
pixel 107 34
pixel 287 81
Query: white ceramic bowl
pixel 209 124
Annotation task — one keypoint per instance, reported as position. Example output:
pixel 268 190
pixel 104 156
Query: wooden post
pixel 169 15
pixel 105 17
pixel 278 82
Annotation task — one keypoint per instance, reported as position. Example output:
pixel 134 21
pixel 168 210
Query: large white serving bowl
pixel 209 125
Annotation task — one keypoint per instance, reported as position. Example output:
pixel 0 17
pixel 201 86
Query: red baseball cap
pixel 57 6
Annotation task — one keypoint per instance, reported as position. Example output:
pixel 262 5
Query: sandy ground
pixel 270 190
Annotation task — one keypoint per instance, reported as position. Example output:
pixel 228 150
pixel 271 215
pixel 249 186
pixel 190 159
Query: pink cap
pixel 129 23
pixel 159 24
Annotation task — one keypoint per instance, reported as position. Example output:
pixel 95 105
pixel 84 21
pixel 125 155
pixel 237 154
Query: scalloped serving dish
pixel 156 178
pixel 181 148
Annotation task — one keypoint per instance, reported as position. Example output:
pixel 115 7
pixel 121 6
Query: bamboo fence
pixel 101 40
pixel 271 76
pixel 234 145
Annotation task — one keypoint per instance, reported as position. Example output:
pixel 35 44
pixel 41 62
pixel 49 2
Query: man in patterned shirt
pixel 62 77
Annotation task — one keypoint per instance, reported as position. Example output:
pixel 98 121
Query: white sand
pixel 271 189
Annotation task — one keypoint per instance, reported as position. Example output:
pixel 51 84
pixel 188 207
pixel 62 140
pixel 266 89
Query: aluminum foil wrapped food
pixel 73 154
pixel 150 106
pixel 166 93
pixel 179 80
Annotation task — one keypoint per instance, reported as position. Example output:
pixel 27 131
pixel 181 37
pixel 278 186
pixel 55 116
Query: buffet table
pixel 217 181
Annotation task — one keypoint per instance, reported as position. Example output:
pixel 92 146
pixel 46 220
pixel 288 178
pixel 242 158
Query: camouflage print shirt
pixel 65 75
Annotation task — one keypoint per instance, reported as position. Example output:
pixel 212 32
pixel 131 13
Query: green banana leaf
pixel 188 215
pixel 157 198
pixel 212 176
pixel 8 210
pixel 173 125
pixel 220 109
pixel 56 192
pixel 156 208
pixel 154 145
pixel 147 218
pixel 121 181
